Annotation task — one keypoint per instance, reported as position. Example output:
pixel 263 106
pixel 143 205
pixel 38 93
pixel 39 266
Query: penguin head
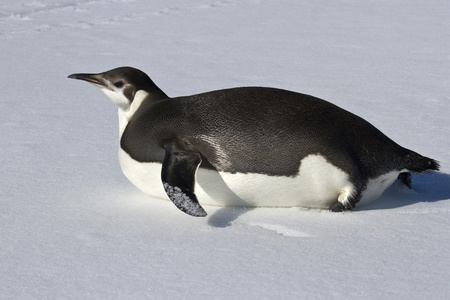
pixel 122 85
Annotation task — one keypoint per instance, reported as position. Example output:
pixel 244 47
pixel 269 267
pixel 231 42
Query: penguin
pixel 250 146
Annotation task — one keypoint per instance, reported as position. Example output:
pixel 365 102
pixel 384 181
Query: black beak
pixel 92 78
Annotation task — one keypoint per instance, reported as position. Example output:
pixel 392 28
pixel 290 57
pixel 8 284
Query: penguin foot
pixel 338 207
pixel 405 178
pixel 347 199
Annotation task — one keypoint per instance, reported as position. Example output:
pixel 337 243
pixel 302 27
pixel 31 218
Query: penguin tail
pixel 417 163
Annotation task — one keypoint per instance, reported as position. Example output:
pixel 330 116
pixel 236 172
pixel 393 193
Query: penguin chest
pixel 145 176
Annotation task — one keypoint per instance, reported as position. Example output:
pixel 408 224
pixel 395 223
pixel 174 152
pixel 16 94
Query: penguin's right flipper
pixel 178 175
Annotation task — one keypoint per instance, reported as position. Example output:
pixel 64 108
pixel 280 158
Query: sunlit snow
pixel 73 227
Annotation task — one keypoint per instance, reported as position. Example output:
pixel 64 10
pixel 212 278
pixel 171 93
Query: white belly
pixel 318 185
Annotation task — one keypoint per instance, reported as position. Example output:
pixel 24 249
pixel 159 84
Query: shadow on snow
pixel 431 187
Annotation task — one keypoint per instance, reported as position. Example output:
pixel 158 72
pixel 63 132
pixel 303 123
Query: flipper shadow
pixel 225 216
pixel 213 184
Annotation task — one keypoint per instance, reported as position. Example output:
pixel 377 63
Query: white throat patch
pixel 138 99
pixel 126 115
pixel 117 98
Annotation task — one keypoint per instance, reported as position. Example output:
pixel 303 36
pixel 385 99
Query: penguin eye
pixel 118 84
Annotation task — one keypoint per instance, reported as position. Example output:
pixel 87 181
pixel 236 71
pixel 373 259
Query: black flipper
pixel 178 176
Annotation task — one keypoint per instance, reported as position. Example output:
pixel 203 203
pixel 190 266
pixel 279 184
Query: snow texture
pixel 73 227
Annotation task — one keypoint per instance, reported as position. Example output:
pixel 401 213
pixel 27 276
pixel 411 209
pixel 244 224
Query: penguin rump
pixel 250 146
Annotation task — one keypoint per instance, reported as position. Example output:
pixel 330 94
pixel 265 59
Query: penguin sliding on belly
pixel 250 146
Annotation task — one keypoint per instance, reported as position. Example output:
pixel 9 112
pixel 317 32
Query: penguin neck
pixel 141 99
pixel 126 115
pixel 123 122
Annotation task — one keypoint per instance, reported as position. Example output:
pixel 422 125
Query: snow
pixel 72 226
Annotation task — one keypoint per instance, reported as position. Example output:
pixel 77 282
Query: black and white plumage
pixel 250 146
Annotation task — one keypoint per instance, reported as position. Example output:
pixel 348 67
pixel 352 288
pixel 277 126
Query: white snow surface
pixel 72 226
